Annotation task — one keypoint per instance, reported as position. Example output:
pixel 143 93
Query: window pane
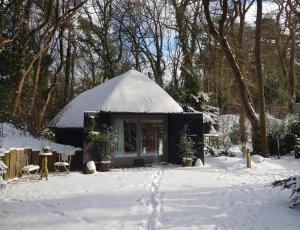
pixel 127 137
pixel 152 138
pixel 130 136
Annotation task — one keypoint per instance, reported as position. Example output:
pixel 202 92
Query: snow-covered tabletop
pixel 45 154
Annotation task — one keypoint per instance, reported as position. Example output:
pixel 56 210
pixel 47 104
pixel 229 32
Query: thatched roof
pixel 129 92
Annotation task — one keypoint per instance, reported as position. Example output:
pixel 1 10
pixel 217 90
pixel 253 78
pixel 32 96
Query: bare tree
pixel 142 23
pixel 44 33
pixel 100 33
pixel 187 26
pixel 286 42
pixel 219 33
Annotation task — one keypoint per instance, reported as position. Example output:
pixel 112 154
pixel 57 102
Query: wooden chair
pixel 63 163
pixel 29 170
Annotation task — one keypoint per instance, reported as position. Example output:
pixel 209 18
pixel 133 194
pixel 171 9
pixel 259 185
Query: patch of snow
pixel 91 166
pixel 14 139
pixel 129 92
pixel 198 163
pixel 257 158
pixel 222 195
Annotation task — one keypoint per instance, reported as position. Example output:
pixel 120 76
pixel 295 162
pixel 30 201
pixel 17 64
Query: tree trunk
pixel 68 71
pixel 50 90
pixel 292 72
pixel 191 84
pixel 15 104
pixel 42 112
pixel 23 73
pixel 260 83
pixel 33 95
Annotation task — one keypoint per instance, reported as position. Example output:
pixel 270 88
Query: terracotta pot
pixel 105 166
pixel 187 163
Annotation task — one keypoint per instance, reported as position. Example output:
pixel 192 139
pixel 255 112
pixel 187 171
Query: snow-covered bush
pixel 286 135
pixel 48 134
pixel 278 133
pixel 294 127
pixel 292 183
pixel 209 150
pixel 225 151
pixel 3 169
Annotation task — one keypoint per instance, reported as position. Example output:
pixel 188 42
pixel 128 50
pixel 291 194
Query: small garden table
pixel 44 171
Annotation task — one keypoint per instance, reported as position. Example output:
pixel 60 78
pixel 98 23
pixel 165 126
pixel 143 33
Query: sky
pixel 267 8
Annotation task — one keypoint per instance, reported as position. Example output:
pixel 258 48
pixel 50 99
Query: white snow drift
pixel 129 92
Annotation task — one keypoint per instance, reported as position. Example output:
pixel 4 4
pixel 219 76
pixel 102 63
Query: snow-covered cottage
pixel 147 119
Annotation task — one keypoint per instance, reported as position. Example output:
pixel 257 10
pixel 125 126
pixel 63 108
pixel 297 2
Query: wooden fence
pixel 12 160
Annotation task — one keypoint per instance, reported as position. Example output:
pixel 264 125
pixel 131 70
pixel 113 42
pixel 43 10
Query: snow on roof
pixel 13 138
pixel 129 92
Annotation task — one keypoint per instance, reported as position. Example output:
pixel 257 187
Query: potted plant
pixel 186 148
pixel 48 135
pixel 106 138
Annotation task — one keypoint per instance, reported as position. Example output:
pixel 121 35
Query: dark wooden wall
pixel 69 136
pixel 176 122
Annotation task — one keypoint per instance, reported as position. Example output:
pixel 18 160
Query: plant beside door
pixel 106 138
pixel 186 147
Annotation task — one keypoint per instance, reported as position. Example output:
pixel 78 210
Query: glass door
pixel 140 137
pixel 152 136
pixel 127 138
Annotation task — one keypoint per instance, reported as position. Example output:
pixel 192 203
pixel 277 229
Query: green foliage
pixel 106 137
pixel 288 143
pixel 276 90
pixel 186 145
pixel 294 128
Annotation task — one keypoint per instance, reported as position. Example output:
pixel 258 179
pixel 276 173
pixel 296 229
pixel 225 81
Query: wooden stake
pixel 248 158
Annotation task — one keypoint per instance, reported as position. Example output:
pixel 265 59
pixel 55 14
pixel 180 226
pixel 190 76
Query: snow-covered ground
pixel 221 195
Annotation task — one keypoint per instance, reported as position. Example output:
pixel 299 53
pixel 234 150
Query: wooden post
pixel 248 158
pixel 18 166
pixel 28 153
pixel 12 164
